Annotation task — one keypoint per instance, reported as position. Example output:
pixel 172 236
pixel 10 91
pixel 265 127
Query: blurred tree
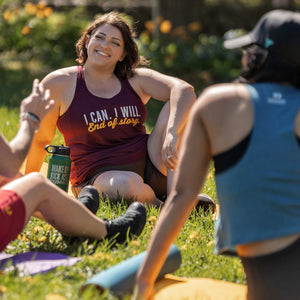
pixel 180 12
pixel 282 3
pixel 217 16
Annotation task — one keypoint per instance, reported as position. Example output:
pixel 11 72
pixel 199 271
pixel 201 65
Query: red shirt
pixel 103 132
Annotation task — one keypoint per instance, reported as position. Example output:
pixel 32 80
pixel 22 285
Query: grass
pixel 195 242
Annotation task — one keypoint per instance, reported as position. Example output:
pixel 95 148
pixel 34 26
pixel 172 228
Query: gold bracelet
pixel 31 116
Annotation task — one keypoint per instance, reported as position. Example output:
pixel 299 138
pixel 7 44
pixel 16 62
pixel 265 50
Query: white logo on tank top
pixel 277 99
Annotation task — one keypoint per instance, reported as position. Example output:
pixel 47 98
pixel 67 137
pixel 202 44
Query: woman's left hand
pixel 169 151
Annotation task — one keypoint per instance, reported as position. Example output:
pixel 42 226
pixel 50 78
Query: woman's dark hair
pixel 273 69
pixel 124 68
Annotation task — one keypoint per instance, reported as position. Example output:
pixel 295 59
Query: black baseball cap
pixel 278 31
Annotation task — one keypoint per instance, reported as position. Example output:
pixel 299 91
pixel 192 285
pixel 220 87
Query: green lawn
pixel 195 242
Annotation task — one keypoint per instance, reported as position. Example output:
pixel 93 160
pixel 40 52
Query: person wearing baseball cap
pixel 251 131
pixel 274 41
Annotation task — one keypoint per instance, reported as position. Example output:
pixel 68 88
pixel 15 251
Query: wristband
pixel 31 116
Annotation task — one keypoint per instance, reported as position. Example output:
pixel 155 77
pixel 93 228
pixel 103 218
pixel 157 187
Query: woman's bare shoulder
pixel 222 100
pixel 226 111
pixel 224 94
pixel 225 90
pixel 60 77
pixel 62 85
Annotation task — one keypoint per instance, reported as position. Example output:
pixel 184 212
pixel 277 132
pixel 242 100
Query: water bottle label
pixel 59 174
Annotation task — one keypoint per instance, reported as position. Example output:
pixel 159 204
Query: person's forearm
pixel 182 100
pixel 170 222
pixel 20 146
pixel 36 156
pixel 37 153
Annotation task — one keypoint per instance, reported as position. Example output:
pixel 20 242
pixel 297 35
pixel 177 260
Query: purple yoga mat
pixel 31 263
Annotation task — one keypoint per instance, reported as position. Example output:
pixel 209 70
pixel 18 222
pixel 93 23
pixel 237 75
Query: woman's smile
pixel 102 53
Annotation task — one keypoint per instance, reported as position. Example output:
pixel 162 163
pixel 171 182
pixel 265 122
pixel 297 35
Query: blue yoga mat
pixel 119 279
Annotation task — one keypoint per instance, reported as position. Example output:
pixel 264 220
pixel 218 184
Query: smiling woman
pixel 105 43
pixel 121 36
pixel 100 110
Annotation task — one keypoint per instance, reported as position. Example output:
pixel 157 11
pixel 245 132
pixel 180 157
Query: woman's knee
pixel 36 178
pixel 26 182
pixel 118 182
pixel 127 181
pixel 132 187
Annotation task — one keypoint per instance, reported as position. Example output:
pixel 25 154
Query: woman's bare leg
pixel 126 184
pixel 56 207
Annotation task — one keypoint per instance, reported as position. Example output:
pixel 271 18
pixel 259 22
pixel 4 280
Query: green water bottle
pixel 59 166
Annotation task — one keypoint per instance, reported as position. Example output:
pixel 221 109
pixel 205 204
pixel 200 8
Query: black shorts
pixel 155 179
pixel 275 276
pixel 146 169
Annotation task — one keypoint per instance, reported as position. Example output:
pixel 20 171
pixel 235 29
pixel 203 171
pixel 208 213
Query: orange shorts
pixel 12 217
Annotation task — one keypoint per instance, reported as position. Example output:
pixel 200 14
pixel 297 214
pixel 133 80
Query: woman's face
pixel 105 45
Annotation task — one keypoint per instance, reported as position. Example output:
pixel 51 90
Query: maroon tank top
pixel 103 132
